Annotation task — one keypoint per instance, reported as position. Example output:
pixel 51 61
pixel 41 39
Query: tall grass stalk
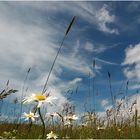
pixel 136 116
pixel 22 92
pixel 66 33
pixel 112 97
pixel 89 93
pixel 2 97
pixel 94 98
pixel 126 91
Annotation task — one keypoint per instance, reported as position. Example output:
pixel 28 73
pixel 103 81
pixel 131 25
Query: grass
pixel 126 132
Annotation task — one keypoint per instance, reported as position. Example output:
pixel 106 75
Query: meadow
pixel 66 125
pixel 119 122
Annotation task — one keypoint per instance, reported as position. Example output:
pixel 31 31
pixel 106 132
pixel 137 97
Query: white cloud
pixel 90 47
pixel 132 62
pixel 75 81
pixel 104 102
pixel 105 105
pixel 91 12
pixel 129 73
pixel 106 62
pixel 133 87
pixel 104 17
pixel 132 54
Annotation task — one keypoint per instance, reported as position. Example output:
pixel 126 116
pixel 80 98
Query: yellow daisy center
pixel 40 97
pixel 29 115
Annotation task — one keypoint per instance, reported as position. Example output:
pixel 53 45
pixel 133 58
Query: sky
pixel 104 32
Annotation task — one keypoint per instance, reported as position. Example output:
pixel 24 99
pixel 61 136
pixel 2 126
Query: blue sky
pixel 107 32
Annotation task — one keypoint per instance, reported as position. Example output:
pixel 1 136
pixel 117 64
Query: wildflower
pixel 40 99
pixel 71 118
pixel 51 135
pixel 100 128
pixel 118 129
pixel 30 116
pixel 68 123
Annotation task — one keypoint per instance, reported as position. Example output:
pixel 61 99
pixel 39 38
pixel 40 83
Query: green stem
pixel 43 124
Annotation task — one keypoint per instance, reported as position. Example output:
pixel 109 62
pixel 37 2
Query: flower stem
pixel 43 124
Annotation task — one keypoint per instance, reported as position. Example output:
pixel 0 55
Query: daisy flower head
pixel 51 135
pixel 71 118
pixel 40 99
pixel 68 123
pixel 30 116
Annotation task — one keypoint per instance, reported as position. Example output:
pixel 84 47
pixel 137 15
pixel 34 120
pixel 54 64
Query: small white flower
pixel 100 128
pixel 71 118
pixel 68 123
pixel 41 99
pixel 51 135
pixel 30 116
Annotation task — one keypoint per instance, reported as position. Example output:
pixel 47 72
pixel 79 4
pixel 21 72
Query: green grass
pixel 78 132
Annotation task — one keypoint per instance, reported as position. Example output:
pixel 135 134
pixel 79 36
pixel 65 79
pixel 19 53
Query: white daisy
pixel 68 123
pixel 51 135
pixel 30 116
pixel 40 99
pixel 71 118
